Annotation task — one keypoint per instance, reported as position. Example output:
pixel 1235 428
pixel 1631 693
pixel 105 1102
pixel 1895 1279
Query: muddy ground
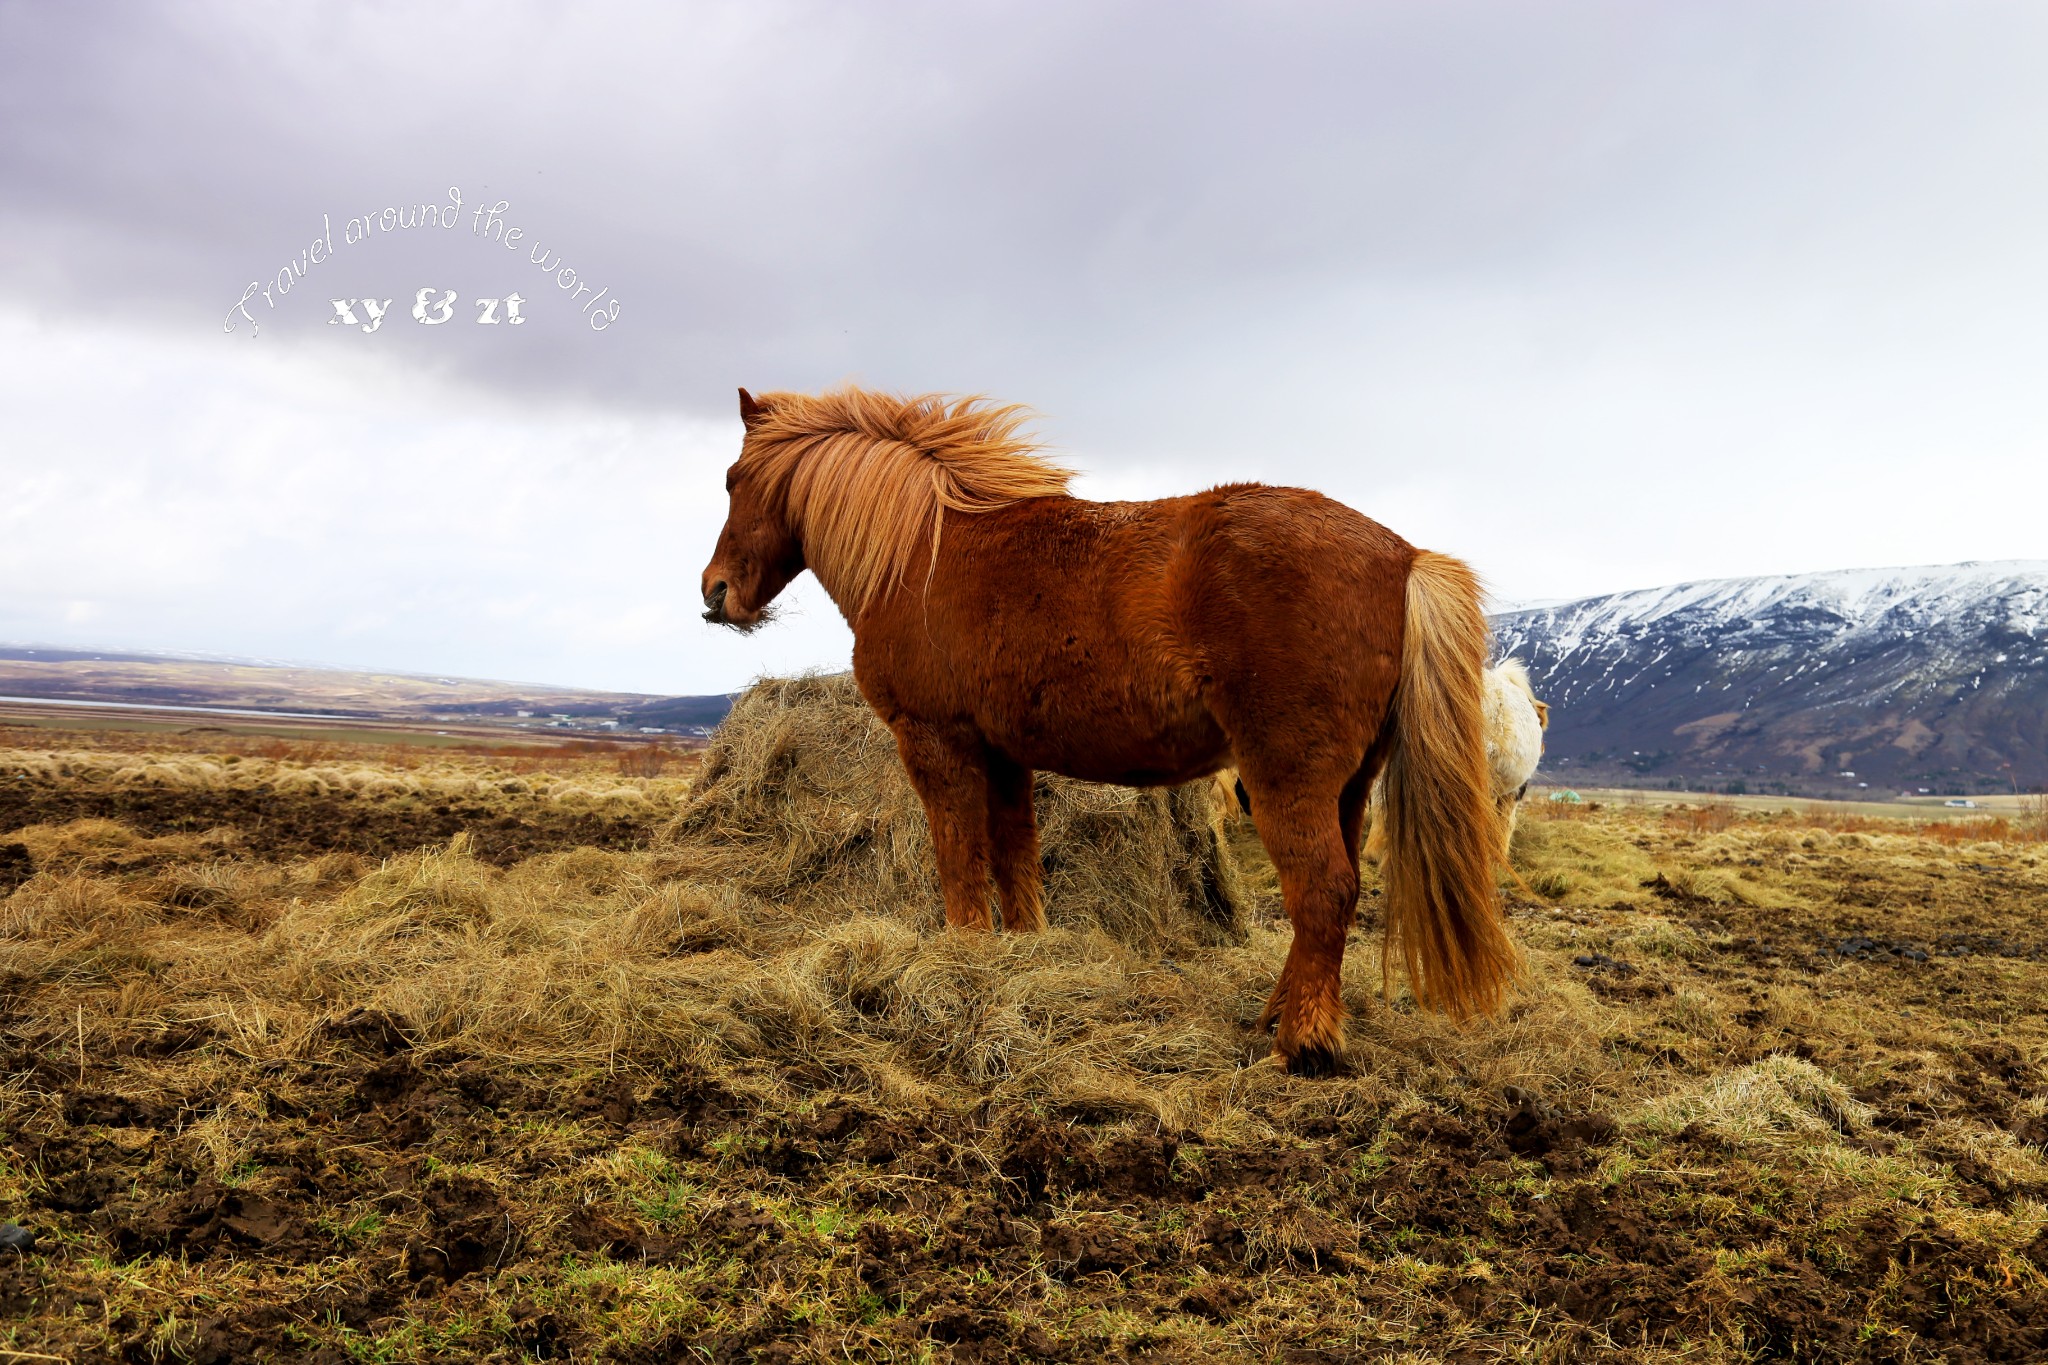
pixel 306 826
pixel 1775 1092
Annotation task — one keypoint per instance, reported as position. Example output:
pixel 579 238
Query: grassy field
pixel 2010 806
pixel 353 1053
pixel 171 729
pixel 174 727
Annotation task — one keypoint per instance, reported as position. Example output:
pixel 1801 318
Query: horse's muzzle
pixel 714 603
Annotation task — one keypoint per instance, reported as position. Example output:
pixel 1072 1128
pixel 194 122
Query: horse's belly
pixel 1133 746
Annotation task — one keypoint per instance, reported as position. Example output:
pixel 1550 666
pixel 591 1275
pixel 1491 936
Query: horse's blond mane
pixel 866 477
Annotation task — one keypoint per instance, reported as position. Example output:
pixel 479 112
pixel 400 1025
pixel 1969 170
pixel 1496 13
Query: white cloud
pixel 188 495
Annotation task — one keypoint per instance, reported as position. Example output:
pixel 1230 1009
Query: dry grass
pixel 736 1093
pixel 2028 823
pixel 2033 817
pixel 586 779
pixel 530 753
pixel 802 801
pixel 1778 1098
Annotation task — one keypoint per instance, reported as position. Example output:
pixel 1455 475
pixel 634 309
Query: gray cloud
pixel 1599 294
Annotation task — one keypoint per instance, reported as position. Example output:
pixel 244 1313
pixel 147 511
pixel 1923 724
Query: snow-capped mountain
pixel 1864 679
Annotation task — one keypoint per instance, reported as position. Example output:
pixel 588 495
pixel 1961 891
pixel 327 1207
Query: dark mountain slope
pixel 1905 678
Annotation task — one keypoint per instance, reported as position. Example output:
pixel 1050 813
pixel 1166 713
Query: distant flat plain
pixel 1905 807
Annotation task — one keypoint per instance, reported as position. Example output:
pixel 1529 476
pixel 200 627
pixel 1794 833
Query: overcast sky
pixel 1599 296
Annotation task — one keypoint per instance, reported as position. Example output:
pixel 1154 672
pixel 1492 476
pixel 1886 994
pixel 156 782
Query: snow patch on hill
pixel 2011 594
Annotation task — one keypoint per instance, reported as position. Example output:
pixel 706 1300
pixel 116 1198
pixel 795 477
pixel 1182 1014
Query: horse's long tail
pixel 1443 909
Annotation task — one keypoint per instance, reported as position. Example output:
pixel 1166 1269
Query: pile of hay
pixel 804 804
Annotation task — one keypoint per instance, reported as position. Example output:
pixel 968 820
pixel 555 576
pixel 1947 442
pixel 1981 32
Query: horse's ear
pixel 751 411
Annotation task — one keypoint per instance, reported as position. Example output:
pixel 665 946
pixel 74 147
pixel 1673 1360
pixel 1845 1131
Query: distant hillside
pixel 681 713
pixel 1877 680
pixel 170 680
pixel 1859 682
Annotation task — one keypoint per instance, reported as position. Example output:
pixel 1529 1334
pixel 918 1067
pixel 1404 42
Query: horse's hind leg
pixel 1305 834
pixel 1351 803
pixel 949 771
pixel 1356 799
pixel 1354 807
pixel 1013 842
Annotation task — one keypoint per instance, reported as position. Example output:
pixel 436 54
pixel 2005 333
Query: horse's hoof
pixel 1315 1063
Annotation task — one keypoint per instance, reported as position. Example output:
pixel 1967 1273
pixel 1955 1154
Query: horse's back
pixel 1288 590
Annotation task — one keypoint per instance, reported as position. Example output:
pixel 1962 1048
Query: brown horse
pixel 1002 625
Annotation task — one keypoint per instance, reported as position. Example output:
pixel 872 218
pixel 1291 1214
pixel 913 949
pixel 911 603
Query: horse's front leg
pixel 949 769
pixel 1013 839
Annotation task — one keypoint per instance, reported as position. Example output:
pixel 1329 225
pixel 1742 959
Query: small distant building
pixel 1960 803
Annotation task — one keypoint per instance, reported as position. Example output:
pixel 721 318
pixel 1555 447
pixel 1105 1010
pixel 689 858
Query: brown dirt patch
pixel 278 826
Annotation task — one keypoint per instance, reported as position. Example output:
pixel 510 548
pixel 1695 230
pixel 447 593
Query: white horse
pixel 1515 722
